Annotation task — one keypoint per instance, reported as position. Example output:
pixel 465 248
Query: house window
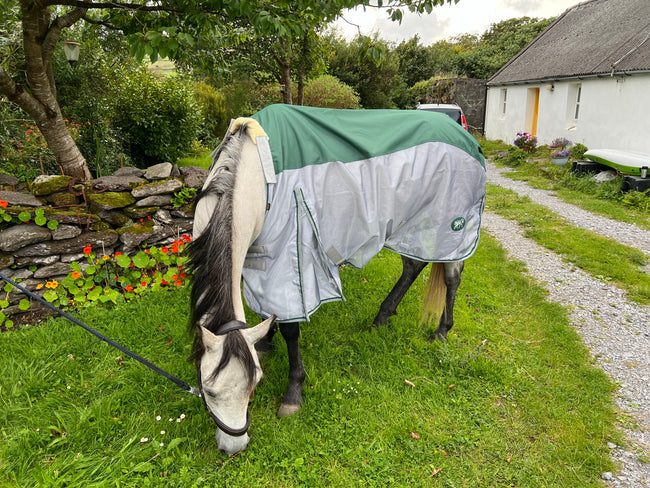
pixel 504 100
pixel 573 104
pixel 576 112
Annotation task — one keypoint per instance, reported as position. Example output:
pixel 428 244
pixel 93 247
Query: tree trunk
pixel 286 83
pixel 64 148
pixel 301 88
pixel 40 36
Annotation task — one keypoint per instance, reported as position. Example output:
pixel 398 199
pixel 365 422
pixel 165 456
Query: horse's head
pixel 228 373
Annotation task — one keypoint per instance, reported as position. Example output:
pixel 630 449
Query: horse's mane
pixel 210 261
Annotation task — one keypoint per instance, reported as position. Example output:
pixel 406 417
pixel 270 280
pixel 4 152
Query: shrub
pixel 578 151
pixel 245 97
pixel 157 116
pixel 329 92
pixel 214 112
pixel 23 150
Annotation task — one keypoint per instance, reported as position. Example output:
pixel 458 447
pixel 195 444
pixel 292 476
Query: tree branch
pixel 88 5
pixel 54 31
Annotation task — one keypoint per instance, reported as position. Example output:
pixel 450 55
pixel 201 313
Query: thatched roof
pixel 596 37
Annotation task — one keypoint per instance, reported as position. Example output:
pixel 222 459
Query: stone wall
pixel 122 212
pixel 469 93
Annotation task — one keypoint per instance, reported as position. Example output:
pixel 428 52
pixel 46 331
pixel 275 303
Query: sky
pixel 465 17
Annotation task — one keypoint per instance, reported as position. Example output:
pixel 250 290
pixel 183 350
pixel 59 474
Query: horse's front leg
pixel 453 271
pixel 293 396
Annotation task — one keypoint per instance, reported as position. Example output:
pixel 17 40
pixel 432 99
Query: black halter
pixel 224 329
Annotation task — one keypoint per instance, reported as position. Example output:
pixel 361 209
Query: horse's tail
pixel 436 292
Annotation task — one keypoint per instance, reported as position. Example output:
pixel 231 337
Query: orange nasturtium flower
pixel 76 274
pixel 3 203
pixel 105 257
pixel 88 249
pixel 129 288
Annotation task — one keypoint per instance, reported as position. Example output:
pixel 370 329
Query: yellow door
pixel 532 110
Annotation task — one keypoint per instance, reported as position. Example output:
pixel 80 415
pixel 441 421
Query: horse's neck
pixel 249 207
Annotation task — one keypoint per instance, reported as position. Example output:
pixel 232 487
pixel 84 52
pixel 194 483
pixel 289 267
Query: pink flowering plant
pixel 525 141
pixel 560 147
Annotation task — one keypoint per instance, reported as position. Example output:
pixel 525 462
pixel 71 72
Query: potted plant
pixel 525 141
pixel 560 151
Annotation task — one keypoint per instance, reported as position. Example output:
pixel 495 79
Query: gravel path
pixel 616 331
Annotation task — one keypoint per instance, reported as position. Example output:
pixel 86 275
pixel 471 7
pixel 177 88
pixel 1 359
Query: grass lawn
pixel 513 399
pixel 603 258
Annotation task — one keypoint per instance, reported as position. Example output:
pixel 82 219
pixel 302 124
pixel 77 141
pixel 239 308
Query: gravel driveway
pixel 616 330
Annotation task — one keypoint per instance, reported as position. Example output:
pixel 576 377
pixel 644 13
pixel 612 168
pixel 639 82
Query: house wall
pixel 613 112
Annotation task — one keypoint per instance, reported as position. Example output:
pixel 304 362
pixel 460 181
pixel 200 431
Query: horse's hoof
pixel 438 336
pixel 287 409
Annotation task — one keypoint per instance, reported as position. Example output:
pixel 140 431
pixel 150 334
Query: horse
pixel 295 192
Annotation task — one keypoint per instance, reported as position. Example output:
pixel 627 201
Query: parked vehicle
pixel 452 110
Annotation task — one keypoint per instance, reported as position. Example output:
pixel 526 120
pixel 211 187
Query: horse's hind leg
pixel 266 343
pixel 293 396
pixel 452 282
pixel 410 271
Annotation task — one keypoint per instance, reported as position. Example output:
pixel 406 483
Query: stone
pixel 55 269
pixel 129 171
pixel 135 235
pixel 155 201
pixel 607 476
pixel 137 213
pixel 74 217
pixel 109 200
pixel 117 183
pixel 115 218
pixel 47 184
pixel 6 260
pixel 25 262
pixel 604 176
pixel 159 171
pixel 20 199
pixel 183 213
pixel 21 274
pixel 157 188
pixel 194 176
pixel 163 216
pixel 175 171
pixel 69 258
pixel 21 235
pixel 8 180
pixel 63 199
pixel 95 239
pixel 65 232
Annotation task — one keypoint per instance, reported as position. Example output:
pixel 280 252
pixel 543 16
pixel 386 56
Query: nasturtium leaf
pixel 24 216
pixel 24 304
pixel 50 295
pixel 141 260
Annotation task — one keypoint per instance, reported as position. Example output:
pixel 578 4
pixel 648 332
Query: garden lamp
pixel 71 50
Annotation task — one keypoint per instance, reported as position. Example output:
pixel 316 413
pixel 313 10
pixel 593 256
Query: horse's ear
pixel 210 340
pixel 254 334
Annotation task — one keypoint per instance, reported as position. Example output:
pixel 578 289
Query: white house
pixel 586 78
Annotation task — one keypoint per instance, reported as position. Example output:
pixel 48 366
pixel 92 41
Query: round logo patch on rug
pixel 457 224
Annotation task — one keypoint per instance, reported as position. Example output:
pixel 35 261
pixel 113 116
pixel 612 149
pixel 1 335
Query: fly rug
pixel 295 192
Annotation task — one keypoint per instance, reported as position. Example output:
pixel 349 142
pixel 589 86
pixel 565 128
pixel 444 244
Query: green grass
pixel 201 159
pixel 599 256
pixel 513 399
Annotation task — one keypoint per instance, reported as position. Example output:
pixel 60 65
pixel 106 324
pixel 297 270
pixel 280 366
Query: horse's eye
pixel 210 393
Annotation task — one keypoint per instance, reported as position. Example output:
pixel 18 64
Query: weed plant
pixel 513 399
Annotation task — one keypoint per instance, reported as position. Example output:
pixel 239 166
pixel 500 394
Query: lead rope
pixel 180 383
